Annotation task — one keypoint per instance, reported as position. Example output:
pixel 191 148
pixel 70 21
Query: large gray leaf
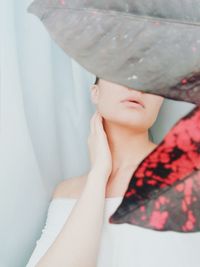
pixel 148 45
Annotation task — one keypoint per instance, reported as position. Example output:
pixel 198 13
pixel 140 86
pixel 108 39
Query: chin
pixel 135 124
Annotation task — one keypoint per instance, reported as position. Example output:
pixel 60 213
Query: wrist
pixel 100 173
pixel 97 177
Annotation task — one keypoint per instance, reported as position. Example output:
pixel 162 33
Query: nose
pixel 132 89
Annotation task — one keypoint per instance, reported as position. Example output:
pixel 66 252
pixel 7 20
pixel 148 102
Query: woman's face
pixel 108 98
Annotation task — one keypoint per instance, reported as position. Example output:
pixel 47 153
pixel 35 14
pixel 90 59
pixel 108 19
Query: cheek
pixel 106 106
pixel 153 107
pixel 154 101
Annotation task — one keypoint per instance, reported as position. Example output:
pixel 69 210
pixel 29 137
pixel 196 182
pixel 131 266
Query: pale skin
pixel 117 142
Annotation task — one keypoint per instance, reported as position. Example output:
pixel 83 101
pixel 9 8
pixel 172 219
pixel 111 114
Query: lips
pixel 133 99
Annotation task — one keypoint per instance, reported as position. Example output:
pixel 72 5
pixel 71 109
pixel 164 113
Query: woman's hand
pixel 100 155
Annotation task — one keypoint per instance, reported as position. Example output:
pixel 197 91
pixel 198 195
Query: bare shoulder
pixel 70 187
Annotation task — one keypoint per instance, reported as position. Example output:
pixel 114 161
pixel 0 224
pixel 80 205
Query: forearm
pixel 77 244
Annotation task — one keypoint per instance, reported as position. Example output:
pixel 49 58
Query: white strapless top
pixel 124 245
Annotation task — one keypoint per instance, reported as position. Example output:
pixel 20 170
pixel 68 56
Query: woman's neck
pixel 128 146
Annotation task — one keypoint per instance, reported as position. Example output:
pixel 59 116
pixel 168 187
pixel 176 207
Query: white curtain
pixel 45 110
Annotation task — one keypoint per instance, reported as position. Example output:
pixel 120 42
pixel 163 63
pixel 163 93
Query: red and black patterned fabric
pixel 164 191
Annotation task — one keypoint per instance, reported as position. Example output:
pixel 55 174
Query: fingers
pixel 98 123
pixel 92 123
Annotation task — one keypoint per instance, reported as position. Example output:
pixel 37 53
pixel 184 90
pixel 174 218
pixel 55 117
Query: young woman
pixel 77 231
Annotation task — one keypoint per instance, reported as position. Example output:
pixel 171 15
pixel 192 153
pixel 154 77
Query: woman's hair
pixel 97 80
